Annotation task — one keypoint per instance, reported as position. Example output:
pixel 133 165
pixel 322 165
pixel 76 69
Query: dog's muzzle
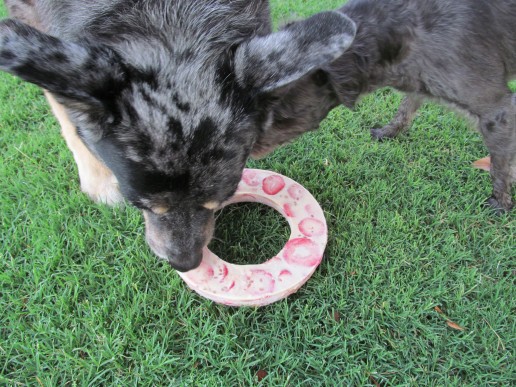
pixel 178 241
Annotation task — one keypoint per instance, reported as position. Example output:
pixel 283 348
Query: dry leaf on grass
pixel 450 323
pixel 261 374
pixel 453 325
pixel 484 163
pixel 374 381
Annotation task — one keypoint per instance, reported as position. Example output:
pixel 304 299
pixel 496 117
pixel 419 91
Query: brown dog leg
pixel 97 181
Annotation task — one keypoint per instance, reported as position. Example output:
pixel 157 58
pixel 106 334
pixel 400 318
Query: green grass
pixel 84 302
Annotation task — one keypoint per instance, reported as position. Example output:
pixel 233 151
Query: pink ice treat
pixel 283 274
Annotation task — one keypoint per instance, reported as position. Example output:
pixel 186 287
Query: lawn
pixel 411 252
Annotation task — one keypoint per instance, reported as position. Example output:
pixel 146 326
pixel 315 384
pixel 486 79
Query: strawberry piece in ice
pixel 312 227
pixel 251 178
pixel 302 251
pixel 260 282
pixel 273 184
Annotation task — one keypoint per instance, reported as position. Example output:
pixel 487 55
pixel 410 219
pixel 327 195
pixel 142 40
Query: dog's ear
pixel 266 63
pixel 80 72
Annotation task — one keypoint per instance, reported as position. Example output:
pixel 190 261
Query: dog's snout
pixel 178 240
pixel 182 261
pixel 186 262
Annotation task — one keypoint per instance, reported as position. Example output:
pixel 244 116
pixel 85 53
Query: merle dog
pixel 161 101
pixel 460 52
pixel 173 96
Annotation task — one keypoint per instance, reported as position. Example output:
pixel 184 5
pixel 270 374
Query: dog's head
pixel 174 112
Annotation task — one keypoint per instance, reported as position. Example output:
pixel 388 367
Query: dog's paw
pixel 498 207
pixel 385 133
pixel 377 134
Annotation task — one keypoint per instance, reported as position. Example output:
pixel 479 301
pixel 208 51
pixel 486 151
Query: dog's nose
pixel 182 261
pixel 187 261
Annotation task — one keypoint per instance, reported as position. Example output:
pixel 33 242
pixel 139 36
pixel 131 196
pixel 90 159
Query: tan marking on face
pixel 160 210
pixel 211 205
